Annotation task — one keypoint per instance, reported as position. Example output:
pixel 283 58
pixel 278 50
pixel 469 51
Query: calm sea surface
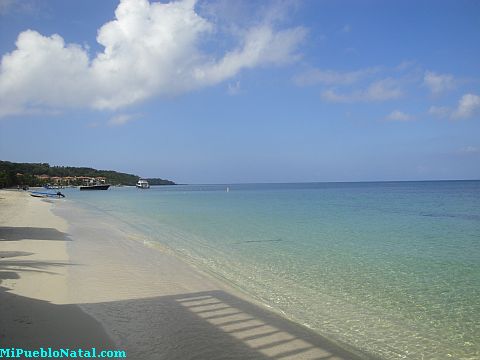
pixel 391 268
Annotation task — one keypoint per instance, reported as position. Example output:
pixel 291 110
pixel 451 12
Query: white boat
pixel 143 184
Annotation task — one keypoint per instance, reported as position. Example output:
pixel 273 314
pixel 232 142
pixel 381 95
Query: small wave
pixel 457 216
pixel 258 241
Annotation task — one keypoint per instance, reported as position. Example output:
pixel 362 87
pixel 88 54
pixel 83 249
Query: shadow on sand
pixel 11 268
pixel 30 324
pixel 11 233
pixel 209 325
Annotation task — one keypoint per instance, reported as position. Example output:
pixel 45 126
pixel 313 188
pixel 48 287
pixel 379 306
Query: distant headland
pixel 40 174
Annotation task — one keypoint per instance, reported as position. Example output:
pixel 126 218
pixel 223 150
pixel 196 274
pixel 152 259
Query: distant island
pixel 40 174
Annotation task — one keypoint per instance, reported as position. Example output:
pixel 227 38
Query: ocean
pixel 389 268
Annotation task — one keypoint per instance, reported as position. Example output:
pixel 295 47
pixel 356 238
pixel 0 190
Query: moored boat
pixel 95 187
pixel 143 184
pixel 41 194
pixel 95 184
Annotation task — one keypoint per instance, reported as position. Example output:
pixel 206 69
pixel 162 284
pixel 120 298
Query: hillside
pixel 38 174
pixel 158 181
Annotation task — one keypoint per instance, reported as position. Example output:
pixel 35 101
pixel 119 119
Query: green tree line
pixel 29 171
pixel 158 181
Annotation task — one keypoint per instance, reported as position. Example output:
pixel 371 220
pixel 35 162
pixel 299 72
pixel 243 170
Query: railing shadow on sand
pixel 210 325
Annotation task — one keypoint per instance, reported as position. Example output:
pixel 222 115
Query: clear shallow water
pixel 390 268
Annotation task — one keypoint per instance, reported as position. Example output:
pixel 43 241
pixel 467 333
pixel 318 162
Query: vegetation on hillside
pixel 158 181
pixel 13 174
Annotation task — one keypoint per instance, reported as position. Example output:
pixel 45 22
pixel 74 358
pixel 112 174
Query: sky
pixel 230 91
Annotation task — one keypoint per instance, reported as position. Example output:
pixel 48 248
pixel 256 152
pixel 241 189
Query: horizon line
pixel 320 182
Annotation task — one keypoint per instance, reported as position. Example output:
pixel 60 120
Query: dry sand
pixel 57 274
pixel 34 306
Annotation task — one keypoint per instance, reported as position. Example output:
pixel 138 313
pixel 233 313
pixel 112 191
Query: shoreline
pixel 156 305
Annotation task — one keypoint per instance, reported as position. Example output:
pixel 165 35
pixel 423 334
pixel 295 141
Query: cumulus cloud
pixel 150 49
pixel 43 71
pixel 468 105
pixel 398 115
pixel 381 90
pixel 438 83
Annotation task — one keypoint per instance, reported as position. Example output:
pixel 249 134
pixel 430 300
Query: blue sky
pixel 254 91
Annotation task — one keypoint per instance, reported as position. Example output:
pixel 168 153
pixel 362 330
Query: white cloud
pixel 241 14
pixel 122 119
pixel 468 105
pixel 332 96
pixel 331 77
pixel 18 6
pixel 150 49
pixel 43 72
pixel 381 90
pixel 405 65
pixel 372 84
pixel 398 115
pixel 261 46
pixel 438 83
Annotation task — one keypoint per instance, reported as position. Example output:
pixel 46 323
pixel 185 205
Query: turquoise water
pixel 389 268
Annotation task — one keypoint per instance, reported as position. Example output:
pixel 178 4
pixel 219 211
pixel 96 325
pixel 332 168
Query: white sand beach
pixel 70 280
pixel 35 307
